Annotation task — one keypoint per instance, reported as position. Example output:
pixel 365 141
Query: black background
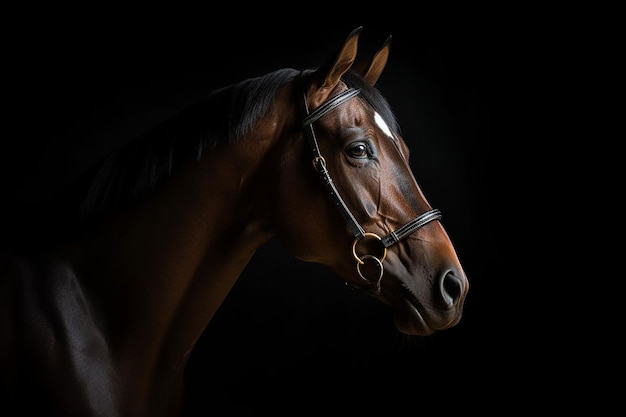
pixel 291 339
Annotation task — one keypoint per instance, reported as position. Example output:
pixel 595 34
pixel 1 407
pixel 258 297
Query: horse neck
pixel 163 268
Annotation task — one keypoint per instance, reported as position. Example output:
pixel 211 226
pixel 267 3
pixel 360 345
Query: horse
pixel 101 318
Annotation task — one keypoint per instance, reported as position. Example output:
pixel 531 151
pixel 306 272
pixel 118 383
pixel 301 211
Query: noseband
pixel 359 234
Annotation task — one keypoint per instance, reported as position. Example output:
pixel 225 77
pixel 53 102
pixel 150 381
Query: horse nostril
pixel 451 287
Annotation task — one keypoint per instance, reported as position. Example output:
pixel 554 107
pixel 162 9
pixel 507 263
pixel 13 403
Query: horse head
pixel 357 208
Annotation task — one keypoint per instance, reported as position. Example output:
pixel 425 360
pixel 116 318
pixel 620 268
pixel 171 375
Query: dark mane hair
pixel 226 114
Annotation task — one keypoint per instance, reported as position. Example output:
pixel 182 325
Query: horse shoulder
pixel 58 351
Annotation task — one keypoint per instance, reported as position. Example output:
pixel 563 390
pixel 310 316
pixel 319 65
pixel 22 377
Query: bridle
pixel 359 234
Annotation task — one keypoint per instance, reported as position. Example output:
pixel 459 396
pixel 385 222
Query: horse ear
pixel 371 69
pixel 326 77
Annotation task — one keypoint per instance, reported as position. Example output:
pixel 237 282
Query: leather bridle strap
pixel 320 165
pixel 403 231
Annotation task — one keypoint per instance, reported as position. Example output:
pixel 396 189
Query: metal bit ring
pixel 367 234
pixel 380 275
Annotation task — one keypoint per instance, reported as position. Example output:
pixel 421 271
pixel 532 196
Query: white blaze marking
pixel 381 123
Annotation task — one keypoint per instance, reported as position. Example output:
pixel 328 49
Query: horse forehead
pixel 358 115
pixel 358 112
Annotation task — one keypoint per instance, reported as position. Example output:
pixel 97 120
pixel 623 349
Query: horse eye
pixel 359 150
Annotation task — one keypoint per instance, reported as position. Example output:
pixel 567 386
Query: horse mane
pixel 224 116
